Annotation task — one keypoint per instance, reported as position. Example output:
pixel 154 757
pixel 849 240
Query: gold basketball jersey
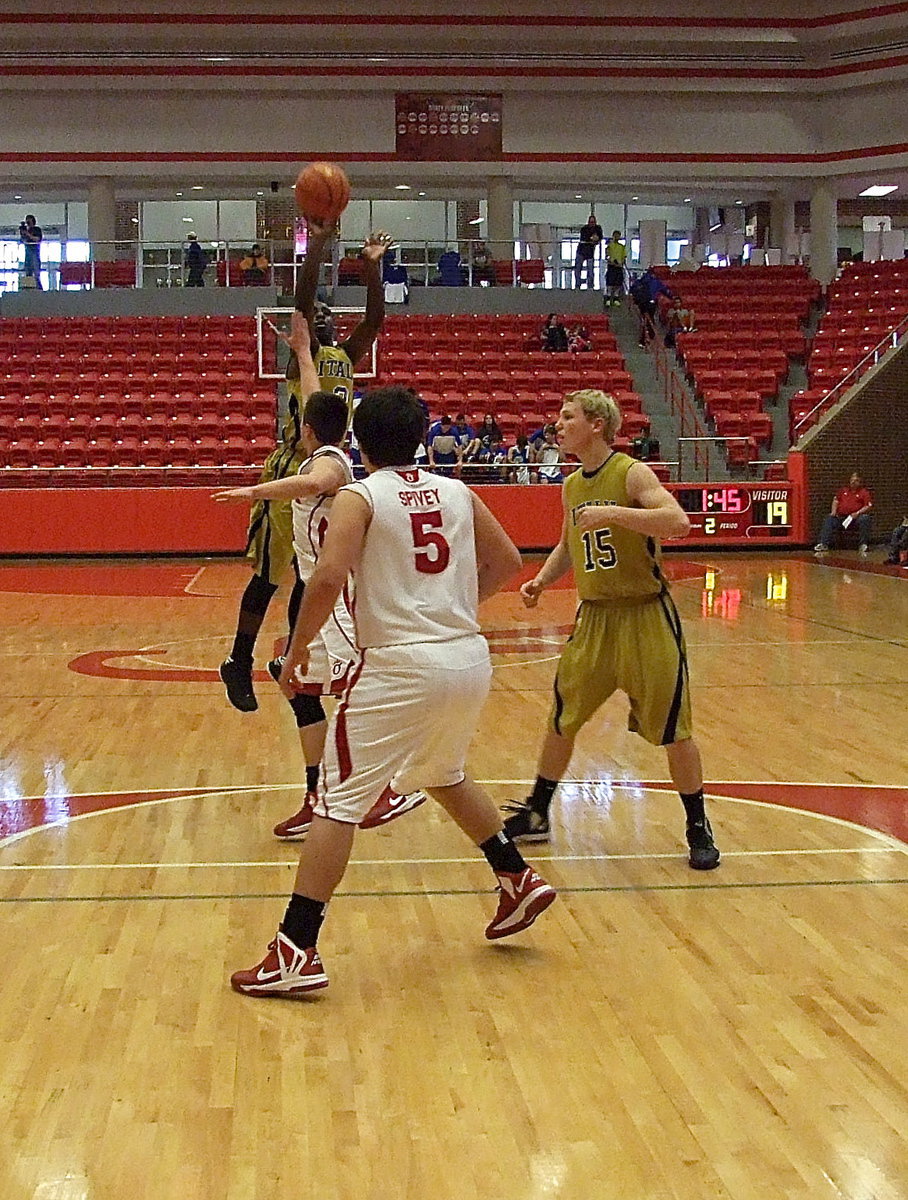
pixel 611 563
pixel 335 373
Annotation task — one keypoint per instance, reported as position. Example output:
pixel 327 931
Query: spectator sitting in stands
pixel 644 446
pixel 483 269
pixel 553 335
pixel 255 267
pixel 444 449
pixel 548 458
pixel 463 431
pixel 851 506
pixel 579 339
pixel 519 458
pixel 898 545
pixel 486 435
pixel 678 319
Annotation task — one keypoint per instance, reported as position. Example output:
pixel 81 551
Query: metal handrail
pixel 893 337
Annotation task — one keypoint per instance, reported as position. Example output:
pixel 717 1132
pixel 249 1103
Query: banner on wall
pixel 448 127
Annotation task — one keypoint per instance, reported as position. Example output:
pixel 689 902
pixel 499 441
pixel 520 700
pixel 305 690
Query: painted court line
pixel 431 862
pixel 447 893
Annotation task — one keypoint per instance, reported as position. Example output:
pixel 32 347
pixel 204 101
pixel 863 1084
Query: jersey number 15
pixel 598 551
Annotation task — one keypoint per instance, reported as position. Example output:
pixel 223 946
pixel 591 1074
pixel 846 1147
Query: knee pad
pixel 308 710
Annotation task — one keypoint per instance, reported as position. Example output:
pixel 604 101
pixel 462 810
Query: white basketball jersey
pixel 310 514
pixel 416 581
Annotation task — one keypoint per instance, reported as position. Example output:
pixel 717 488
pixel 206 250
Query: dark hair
pixel 326 415
pixel 389 426
pixel 30 217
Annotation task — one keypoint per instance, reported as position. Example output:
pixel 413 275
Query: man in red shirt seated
pixel 851 506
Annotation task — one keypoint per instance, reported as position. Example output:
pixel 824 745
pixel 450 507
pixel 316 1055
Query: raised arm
pixel 497 558
pixel 360 340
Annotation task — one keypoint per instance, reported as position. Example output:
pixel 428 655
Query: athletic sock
pixel 243 646
pixel 502 855
pixel 302 920
pixel 540 800
pixel 693 806
pixel 312 774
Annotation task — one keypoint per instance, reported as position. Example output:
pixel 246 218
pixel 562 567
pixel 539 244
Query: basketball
pixel 322 191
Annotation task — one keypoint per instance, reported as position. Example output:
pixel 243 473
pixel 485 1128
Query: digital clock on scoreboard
pixel 734 511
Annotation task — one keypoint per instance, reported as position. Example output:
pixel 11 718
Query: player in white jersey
pixel 333 649
pixel 424 551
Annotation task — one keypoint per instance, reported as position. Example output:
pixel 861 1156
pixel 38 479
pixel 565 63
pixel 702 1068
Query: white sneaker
pixel 862 549
pixel 820 548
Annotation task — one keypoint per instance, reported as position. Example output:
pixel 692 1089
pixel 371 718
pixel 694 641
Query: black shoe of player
pixel 237 679
pixel 275 667
pixel 525 824
pixel 704 854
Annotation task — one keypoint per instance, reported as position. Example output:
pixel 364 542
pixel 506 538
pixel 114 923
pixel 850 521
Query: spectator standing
pixel 851 506
pixel 591 236
pixel 255 267
pixel 615 259
pixel 195 262
pixel 30 236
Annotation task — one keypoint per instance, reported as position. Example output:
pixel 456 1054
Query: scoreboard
pixel 743 513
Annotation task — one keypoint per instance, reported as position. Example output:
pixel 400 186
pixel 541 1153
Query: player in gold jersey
pixel 627 634
pixel 270 540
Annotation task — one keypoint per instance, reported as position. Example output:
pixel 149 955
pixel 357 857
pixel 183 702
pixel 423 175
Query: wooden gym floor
pixel 658 1035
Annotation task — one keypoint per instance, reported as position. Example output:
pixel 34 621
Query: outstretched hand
pixel 321 229
pixel 299 339
pixel 241 495
pixel 376 245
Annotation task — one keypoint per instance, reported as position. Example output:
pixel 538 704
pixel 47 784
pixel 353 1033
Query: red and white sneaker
pixel 391 805
pixel 521 898
pixel 295 828
pixel 284 971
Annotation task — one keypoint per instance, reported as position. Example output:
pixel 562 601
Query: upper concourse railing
pixel 77 264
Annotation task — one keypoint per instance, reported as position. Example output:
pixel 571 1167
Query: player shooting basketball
pixel 270 540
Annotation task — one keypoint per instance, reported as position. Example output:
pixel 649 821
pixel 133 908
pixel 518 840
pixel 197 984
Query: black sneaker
pixel 237 679
pixel 704 854
pixel 275 667
pixel 525 824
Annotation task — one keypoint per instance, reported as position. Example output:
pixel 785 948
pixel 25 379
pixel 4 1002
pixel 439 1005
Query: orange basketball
pixel 322 191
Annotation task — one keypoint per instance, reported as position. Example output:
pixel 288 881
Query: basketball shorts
pixel 634 648
pixel 408 715
pixel 614 275
pixel 332 655
pixel 269 541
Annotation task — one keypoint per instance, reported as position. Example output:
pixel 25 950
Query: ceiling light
pixel 880 189
pixel 635 197
pixel 198 187
pixel 189 219
pixel 260 193
pixel 179 194
pixel 135 220
pixel 421 193
pixel 401 187
pixel 476 221
pixel 687 199
pixel 578 197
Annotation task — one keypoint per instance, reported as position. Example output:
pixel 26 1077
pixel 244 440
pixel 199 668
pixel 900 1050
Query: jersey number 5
pixel 598 551
pixel 432 550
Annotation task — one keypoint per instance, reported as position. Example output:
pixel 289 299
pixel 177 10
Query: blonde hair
pixel 594 403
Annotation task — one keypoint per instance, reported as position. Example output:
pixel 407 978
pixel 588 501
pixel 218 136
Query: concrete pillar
pixel 782 224
pixel 824 232
pixel 500 218
pixel 102 216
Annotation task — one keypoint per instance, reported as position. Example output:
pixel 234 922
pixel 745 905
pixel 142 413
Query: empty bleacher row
pixel 478 364
pixel 864 306
pixel 131 400
pixel 749 325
